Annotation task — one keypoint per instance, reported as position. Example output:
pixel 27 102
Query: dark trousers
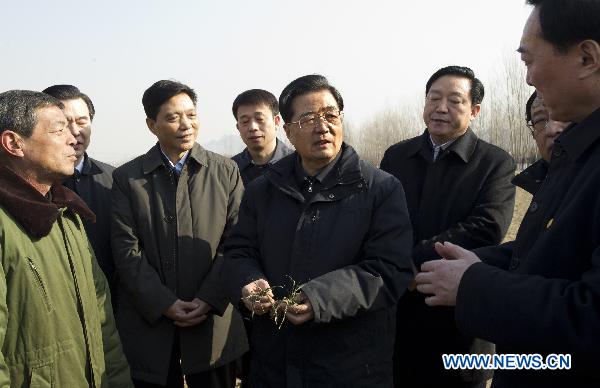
pixel 221 377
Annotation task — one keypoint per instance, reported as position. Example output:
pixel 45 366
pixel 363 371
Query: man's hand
pixel 195 316
pixel 185 314
pixel 255 298
pixel 441 278
pixel 301 312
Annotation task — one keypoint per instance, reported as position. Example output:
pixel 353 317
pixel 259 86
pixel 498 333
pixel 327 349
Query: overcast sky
pixel 378 53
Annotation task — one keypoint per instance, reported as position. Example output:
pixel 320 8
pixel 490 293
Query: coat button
pixel 331 196
pixel 359 185
pixel 533 207
pixel 556 153
pixel 170 218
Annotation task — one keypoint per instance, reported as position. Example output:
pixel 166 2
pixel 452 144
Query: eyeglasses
pixel 310 120
pixel 534 127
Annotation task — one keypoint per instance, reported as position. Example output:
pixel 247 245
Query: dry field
pixel 521 204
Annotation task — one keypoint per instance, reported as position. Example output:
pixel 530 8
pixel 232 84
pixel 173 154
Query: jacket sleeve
pixel 487 223
pixel 241 263
pixel 211 290
pixel 530 311
pixel 137 277
pixel 380 278
pixel 117 369
pixel 4 372
pixel 498 256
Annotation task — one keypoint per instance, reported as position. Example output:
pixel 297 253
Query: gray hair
pixel 18 110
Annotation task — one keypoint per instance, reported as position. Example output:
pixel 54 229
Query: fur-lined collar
pixel 31 209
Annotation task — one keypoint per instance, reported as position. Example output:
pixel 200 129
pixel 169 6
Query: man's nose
pixel 74 128
pixel 71 138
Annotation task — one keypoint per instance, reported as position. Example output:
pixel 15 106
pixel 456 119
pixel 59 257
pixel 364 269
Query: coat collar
pixel 33 211
pixel 577 138
pixel 153 159
pixel 244 159
pixel 532 177
pixel 89 167
pixel 347 170
pixel 463 147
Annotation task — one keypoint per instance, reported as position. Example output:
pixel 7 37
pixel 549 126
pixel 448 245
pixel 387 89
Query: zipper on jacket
pixel 40 283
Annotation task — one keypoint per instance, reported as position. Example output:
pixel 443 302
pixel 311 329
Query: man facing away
pixel 458 188
pixel 56 321
pixel 172 207
pixel 331 233
pixel 257 117
pixel 92 179
pixel 541 293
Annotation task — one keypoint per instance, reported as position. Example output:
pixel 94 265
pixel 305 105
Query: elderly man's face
pixel 552 73
pixel 448 110
pixel 318 141
pixel 545 130
pixel 49 153
pixel 80 124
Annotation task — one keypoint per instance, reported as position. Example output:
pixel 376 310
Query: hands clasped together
pixel 186 314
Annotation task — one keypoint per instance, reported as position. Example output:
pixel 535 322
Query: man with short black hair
pixel 330 233
pixel 92 179
pixel 257 118
pixel 458 188
pixel 56 321
pixel 172 209
pixel 541 293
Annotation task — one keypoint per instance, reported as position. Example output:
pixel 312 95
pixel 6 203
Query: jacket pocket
pixel 40 284
pixel 41 377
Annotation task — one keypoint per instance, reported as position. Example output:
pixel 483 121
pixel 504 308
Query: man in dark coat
pixel 541 293
pixel 458 189
pixel 544 131
pixel 92 179
pixel 257 117
pixel 331 233
pixel 172 208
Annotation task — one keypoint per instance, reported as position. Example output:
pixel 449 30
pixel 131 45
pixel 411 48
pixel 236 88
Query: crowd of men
pixel 306 267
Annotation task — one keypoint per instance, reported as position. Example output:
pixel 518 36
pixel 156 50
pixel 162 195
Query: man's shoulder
pixel 374 176
pixel 407 144
pixel 105 167
pixel 216 160
pixel 132 168
pixel 486 150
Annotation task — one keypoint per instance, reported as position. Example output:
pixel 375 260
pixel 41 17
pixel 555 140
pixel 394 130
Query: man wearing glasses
pixel 458 189
pixel 544 131
pixel 323 244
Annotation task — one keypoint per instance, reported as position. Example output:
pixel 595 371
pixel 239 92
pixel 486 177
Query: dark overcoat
pixel 349 248
pixel 541 293
pixel 166 238
pixel 465 197
pixel 93 185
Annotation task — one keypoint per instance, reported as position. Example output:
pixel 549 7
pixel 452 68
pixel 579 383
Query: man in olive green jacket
pixel 56 323
pixel 172 208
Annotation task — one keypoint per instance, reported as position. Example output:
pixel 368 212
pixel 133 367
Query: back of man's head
pixel 304 85
pixel 70 92
pixel 256 97
pixel 162 91
pixel 565 23
pixel 477 91
pixel 18 110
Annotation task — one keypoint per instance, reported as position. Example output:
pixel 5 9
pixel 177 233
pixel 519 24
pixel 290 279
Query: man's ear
pixel 151 125
pixel 277 121
pixel 12 143
pixel 589 51
pixel 475 109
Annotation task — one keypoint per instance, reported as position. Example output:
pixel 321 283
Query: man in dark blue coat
pixel 541 293
pixel 332 234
